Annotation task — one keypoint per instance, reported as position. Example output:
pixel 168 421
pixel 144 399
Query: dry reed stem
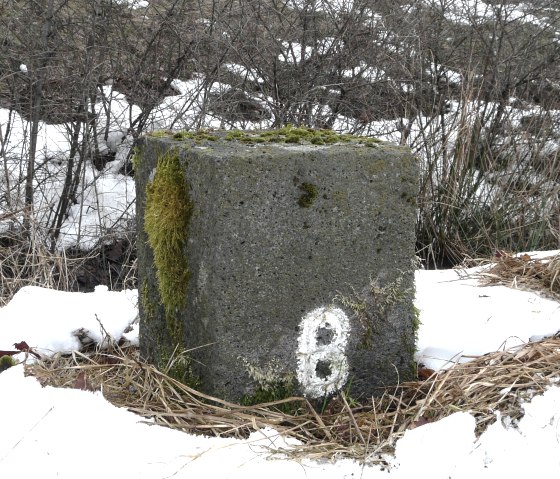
pixel 494 382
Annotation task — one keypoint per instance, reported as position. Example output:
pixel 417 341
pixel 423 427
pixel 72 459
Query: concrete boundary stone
pixel 283 263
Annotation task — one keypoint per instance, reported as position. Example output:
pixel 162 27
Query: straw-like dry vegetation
pixel 364 430
pixel 472 88
pixel 541 275
pixel 488 138
pixel 31 262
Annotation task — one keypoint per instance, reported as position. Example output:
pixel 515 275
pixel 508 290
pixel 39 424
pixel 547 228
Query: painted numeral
pixel 322 362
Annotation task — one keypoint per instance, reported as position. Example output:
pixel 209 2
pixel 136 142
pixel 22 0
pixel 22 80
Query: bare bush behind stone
pixel 473 88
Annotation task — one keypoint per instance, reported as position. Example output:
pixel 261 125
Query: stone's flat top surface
pixel 292 137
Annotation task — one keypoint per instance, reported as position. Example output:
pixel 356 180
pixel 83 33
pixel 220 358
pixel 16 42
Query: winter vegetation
pixel 471 86
pixel 487 402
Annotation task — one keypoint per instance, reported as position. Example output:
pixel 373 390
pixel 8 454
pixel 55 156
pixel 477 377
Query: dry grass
pixel 494 382
pixel 25 263
pixel 490 383
pixel 28 261
pixel 541 275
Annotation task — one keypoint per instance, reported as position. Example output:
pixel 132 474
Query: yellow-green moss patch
pixel 166 222
pixel 160 133
pixel 272 385
pixel 199 135
pixel 288 134
pixel 6 362
pixel 136 157
pixel 291 135
pixel 309 195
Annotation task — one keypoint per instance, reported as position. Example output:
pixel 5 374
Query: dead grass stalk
pixel 541 275
pixel 494 382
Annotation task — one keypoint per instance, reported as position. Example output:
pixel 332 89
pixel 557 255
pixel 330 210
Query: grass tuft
pixel 541 275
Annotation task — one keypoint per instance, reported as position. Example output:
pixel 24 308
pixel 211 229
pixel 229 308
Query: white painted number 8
pixel 322 363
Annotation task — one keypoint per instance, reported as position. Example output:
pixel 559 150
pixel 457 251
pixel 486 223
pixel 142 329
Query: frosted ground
pixel 65 433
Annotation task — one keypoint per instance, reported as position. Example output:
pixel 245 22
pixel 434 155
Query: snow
pixel 322 5
pixel 495 318
pixel 105 198
pixel 453 439
pixel 49 432
pixel 53 321
pixel 465 11
pixel 134 4
pixel 293 51
pixel 535 437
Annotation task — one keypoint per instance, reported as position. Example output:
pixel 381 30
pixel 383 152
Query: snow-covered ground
pixel 68 433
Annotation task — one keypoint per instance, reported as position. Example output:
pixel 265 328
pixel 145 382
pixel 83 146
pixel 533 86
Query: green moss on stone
pixel 309 195
pixel 297 135
pixel 160 134
pixel 6 362
pixel 271 392
pixel 199 135
pixel 136 157
pixel 178 365
pixel 288 134
pixel 234 135
pixel 148 307
pixel 372 142
pixel 166 222
pixel 273 383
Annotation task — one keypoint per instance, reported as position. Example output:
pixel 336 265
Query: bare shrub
pixel 471 87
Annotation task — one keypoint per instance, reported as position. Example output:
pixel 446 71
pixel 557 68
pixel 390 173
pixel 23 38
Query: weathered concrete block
pixel 282 260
